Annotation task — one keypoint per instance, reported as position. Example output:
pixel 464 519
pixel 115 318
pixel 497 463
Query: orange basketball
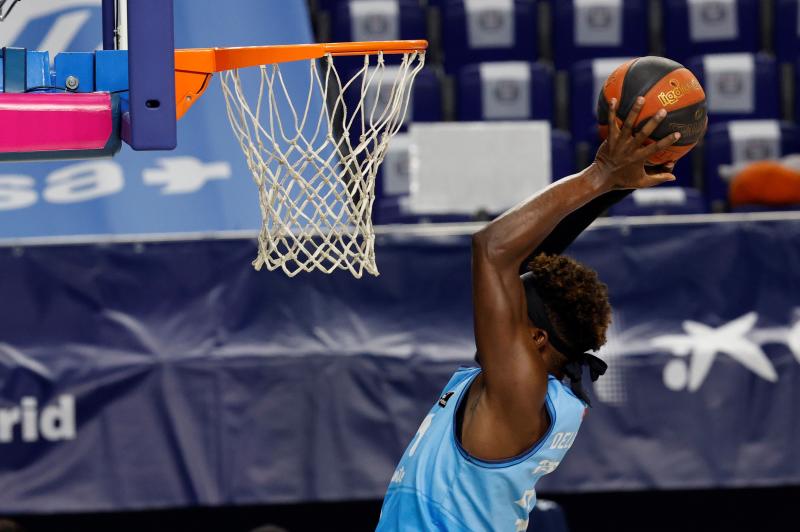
pixel 664 84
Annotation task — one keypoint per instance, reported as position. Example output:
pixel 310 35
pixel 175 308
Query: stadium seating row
pixel 489 46
pixel 728 147
pixel 491 30
pixel 738 86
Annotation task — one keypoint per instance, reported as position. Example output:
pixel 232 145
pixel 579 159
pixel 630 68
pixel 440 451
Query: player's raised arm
pixel 506 344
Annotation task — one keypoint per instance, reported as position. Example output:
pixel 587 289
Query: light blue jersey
pixel 437 486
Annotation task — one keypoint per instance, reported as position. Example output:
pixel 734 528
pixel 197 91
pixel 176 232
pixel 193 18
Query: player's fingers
pixel 613 128
pixel 657 179
pixel 650 126
pixel 630 120
pixel 646 152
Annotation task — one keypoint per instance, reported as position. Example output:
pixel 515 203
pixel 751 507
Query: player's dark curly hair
pixel 575 298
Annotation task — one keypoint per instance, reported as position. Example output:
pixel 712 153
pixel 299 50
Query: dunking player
pixel 497 429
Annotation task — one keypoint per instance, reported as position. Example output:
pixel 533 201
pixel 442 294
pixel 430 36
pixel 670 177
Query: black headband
pixel 537 312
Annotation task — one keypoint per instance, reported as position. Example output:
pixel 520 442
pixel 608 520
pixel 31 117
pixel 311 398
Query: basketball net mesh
pixel 316 173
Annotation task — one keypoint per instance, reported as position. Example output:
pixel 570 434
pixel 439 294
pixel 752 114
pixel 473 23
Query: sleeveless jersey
pixel 438 486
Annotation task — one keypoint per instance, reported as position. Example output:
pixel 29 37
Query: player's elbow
pixel 480 244
pixel 485 245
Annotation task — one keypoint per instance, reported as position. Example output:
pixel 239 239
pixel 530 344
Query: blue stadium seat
pixel 547 516
pixel 427 97
pixel 590 30
pixel 586 81
pixel 787 30
pixel 710 27
pixel 327 5
pixel 683 172
pixel 739 86
pixel 497 30
pixel 739 142
pixel 797 91
pixel 378 20
pixel 563 161
pixel 393 183
pixel 660 200
pixel 510 90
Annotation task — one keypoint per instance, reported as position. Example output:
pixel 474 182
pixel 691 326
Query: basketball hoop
pixel 314 166
pixel 5 11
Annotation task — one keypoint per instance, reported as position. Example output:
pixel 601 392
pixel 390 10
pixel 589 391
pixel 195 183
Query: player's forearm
pixel 514 235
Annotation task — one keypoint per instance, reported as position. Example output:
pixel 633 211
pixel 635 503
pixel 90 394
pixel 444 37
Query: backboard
pixel 84 103
pixel 313 153
pixel 145 28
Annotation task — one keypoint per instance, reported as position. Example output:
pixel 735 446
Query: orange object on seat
pixel 765 183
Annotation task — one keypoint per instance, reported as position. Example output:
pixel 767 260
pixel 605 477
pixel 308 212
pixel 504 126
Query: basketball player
pixel 497 429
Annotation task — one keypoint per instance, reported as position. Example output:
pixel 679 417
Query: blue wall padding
pixel 111 70
pixel 76 64
pixel 14 71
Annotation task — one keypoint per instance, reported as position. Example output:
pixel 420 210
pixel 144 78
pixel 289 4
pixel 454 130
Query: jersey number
pixel 423 428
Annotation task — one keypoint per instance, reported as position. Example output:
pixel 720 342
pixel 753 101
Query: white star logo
pixel 703 343
pixel 794 340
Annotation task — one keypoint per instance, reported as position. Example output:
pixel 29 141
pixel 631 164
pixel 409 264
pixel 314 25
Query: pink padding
pixel 51 122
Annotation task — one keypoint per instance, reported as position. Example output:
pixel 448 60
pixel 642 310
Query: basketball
pixel 664 84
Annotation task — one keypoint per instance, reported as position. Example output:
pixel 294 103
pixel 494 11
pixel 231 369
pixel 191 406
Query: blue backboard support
pixel 204 185
pixel 150 123
pixel 15 70
pixel 109 24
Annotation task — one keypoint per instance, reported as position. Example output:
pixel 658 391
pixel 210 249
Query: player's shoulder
pixel 562 397
pixel 462 376
pixel 466 371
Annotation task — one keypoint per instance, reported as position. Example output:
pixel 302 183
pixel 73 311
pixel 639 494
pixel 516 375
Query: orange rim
pixel 210 60
pixel 387 47
pixel 194 67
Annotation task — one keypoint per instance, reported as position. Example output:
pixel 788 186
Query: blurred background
pixel 151 380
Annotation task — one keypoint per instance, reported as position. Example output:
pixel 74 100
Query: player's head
pixel 567 301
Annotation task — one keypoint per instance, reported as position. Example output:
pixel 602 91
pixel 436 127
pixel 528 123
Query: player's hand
pixel 621 158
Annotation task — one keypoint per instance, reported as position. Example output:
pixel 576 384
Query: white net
pixel 314 153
